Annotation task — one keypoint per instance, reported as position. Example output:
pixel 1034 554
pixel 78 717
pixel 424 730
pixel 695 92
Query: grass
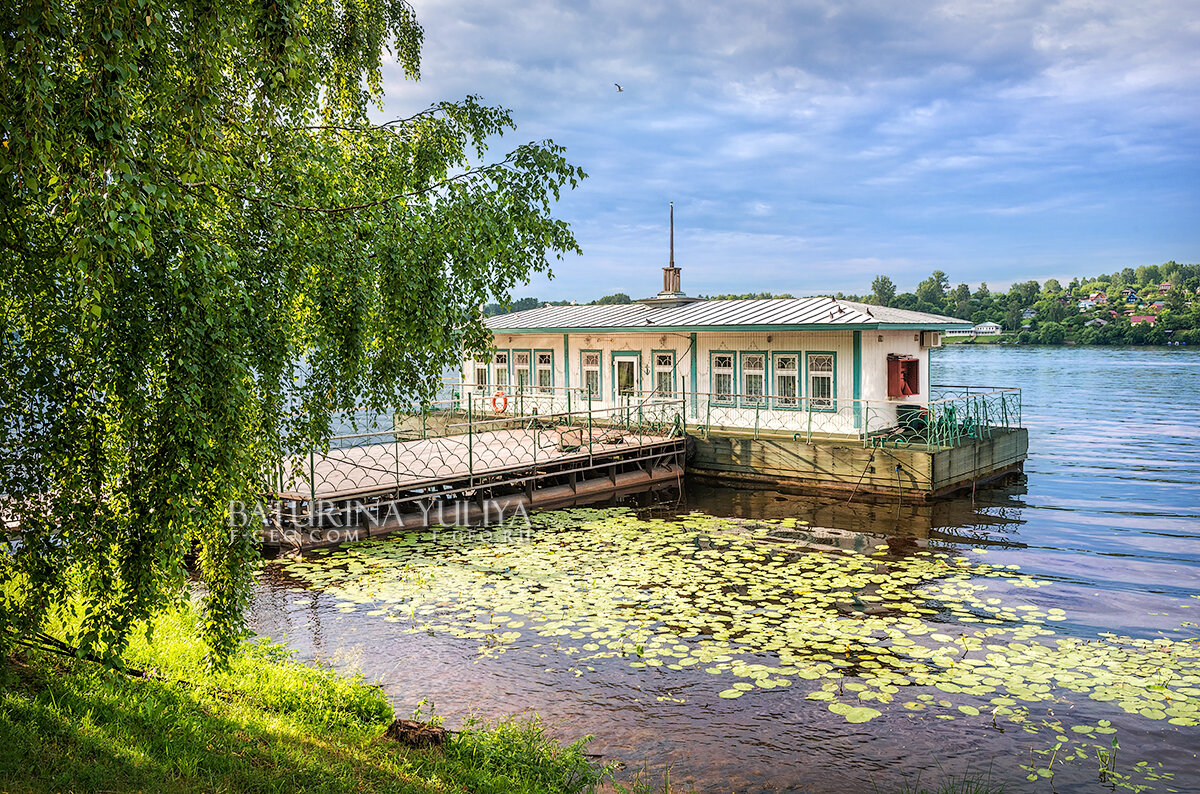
pixel 268 724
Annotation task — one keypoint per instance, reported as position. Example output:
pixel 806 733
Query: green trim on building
pixel 567 360
pixel 857 379
pixel 694 384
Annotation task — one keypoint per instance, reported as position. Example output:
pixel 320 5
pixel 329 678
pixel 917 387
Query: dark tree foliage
pixel 207 249
pixel 883 291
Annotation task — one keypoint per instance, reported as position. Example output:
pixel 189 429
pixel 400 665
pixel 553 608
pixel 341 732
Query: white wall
pixel 876 345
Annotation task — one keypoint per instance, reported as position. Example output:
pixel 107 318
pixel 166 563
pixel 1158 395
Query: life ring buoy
pixel 499 402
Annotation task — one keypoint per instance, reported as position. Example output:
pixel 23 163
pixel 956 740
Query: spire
pixel 672 292
pixel 671 285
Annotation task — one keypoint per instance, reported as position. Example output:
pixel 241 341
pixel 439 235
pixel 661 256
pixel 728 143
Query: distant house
pixel 1097 322
pixel 1029 314
pixel 1138 319
pixel 1087 304
pixel 1132 298
pixel 1099 297
pixel 987 329
pixel 1157 305
pixel 1164 288
pixel 983 329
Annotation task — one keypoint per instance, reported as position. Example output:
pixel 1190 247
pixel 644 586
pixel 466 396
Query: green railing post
pixel 683 407
pixel 809 421
pixel 470 442
pixel 757 408
pixel 707 417
pixel 589 425
pixel 568 407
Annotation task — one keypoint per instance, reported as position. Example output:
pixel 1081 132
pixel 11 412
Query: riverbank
pixel 268 724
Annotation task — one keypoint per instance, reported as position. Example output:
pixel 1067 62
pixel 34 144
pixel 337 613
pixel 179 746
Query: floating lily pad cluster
pixel 755 603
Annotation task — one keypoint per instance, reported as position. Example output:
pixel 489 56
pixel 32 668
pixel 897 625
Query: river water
pixel 1100 537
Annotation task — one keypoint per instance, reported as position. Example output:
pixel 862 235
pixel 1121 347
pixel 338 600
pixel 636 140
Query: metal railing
pixel 470 437
pixel 955 416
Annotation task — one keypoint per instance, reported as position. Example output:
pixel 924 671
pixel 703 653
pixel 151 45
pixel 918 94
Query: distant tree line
pixel 521 304
pixel 1049 313
pixel 1034 312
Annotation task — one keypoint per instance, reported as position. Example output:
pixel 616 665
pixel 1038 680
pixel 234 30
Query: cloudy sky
pixel 809 146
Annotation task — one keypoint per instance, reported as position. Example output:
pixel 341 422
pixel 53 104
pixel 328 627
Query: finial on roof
pixel 672 291
pixel 671 281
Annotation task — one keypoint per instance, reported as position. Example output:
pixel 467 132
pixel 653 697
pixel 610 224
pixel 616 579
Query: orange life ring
pixel 499 402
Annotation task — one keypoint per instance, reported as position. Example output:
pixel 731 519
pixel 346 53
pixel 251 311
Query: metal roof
pixel 774 314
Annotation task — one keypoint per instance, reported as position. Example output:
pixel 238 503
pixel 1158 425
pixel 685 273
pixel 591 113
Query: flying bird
pixel 618 85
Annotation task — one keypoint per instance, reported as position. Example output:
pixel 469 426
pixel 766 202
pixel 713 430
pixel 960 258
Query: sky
pixel 809 146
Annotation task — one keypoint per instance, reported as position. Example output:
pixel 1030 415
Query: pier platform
pixel 463 471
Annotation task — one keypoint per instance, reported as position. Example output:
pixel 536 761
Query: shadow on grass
pixel 69 726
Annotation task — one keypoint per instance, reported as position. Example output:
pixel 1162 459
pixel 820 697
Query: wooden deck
pixel 369 489
pixel 371 469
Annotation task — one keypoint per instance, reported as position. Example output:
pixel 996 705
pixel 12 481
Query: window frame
pixel 655 370
pixel 516 369
pixel 832 407
pixel 598 394
pixel 477 366
pixel 507 369
pixel 798 372
pixel 538 369
pixel 715 396
pixel 744 399
pixel 636 357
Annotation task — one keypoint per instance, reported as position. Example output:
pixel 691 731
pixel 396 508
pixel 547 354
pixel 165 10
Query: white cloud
pixel 900 134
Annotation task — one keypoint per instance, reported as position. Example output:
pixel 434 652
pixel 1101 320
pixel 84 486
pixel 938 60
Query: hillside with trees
pixel 1148 305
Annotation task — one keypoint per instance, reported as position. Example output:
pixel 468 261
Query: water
pixel 1107 516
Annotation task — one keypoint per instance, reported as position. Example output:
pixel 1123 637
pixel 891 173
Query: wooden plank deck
pixel 369 469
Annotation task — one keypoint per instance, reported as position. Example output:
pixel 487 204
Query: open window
pixel 904 375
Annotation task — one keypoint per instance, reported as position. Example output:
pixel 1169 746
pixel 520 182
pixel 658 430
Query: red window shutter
pixel 904 375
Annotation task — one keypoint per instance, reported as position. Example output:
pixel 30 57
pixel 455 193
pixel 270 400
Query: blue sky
pixel 809 146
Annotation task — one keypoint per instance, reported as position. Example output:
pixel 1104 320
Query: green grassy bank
pixel 268 724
